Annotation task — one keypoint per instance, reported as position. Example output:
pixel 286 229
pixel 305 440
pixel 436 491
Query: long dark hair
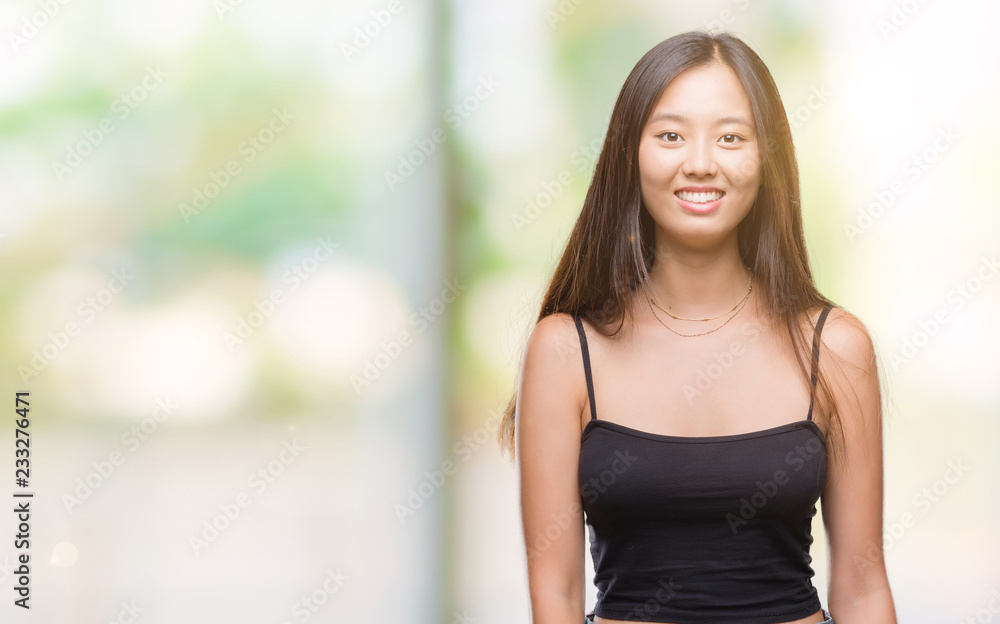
pixel 611 248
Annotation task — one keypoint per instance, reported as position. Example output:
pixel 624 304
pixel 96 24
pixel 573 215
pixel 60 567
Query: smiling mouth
pixel 699 197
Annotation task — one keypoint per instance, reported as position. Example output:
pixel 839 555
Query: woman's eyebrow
pixel 682 119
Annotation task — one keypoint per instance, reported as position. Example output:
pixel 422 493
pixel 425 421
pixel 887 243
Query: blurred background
pixel 268 269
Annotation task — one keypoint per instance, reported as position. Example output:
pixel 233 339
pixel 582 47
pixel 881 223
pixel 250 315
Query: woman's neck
pixel 699 287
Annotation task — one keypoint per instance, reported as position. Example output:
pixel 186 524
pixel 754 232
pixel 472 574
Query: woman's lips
pixel 699 202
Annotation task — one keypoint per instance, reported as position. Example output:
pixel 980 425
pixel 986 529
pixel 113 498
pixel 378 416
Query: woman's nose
pixel 699 161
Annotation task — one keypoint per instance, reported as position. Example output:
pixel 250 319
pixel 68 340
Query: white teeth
pixel 699 198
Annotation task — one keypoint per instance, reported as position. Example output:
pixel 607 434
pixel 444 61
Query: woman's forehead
pixel 709 93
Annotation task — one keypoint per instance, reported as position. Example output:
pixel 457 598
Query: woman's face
pixel 699 165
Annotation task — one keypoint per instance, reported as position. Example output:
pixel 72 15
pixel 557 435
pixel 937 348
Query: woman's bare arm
pixel 852 500
pixel 547 446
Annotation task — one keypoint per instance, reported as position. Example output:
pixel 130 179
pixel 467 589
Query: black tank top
pixel 702 529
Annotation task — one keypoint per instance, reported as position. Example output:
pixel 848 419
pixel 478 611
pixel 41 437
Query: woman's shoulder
pixel 844 334
pixel 553 339
pixel 554 328
pixel 552 378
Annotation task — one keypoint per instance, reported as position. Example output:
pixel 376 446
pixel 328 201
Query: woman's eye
pixel 670 137
pixel 726 138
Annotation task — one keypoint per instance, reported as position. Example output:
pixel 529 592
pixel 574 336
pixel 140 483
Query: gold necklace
pixel 649 296
pixel 692 335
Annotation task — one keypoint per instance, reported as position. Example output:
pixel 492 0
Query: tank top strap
pixel 586 364
pixel 815 355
